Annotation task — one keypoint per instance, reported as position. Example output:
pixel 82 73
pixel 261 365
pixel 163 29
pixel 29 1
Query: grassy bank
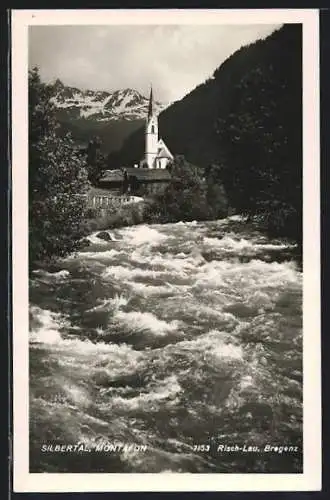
pixel 115 217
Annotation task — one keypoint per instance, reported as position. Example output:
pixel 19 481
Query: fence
pixel 105 200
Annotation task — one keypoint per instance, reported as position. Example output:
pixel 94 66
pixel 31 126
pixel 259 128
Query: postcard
pixel 166 240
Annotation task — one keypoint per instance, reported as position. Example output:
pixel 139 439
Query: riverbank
pixel 115 217
pixel 144 212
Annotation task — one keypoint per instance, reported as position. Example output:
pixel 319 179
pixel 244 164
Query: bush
pixel 115 217
pixel 185 198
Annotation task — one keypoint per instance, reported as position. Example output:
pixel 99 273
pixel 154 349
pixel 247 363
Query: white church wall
pixel 163 162
pixel 153 144
pixel 151 141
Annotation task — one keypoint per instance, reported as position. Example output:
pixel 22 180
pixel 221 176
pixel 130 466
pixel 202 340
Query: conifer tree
pixel 96 161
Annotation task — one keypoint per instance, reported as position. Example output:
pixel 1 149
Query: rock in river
pixel 104 235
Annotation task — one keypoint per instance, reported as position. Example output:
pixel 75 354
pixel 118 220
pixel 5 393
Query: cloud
pixel 175 58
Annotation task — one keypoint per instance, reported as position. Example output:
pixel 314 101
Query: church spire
pixel 150 109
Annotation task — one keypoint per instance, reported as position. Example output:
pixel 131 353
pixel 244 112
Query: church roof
pixel 142 174
pixel 112 176
pixel 164 153
pixel 149 174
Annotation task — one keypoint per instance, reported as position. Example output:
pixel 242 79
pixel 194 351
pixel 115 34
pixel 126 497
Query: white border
pixel 310 479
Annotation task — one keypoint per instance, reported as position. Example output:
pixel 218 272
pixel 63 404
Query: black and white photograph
pixel 167 300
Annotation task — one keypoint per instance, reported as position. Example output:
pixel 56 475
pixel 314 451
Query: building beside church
pixel 157 154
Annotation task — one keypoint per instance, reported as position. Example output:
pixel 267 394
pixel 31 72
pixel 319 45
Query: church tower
pixel 151 135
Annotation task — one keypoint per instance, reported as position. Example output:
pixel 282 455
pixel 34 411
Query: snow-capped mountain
pixel 126 104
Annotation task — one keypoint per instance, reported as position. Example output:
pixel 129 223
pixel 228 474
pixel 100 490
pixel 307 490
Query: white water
pixel 170 336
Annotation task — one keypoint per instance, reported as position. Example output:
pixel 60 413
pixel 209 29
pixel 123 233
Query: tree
pixel 96 161
pixel 185 197
pixel 57 180
pixel 216 195
pixel 261 137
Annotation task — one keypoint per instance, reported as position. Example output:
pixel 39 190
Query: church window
pixel 152 129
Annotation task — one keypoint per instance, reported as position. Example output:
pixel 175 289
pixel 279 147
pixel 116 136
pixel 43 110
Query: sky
pixel 173 58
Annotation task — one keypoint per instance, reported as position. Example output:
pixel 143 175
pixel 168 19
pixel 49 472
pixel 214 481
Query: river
pixel 170 342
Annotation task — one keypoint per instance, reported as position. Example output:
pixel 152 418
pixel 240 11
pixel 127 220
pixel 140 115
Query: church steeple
pixel 150 109
pixel 157 155
pixel 151 137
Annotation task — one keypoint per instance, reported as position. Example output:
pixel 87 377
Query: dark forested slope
pixel 246 122
pixel 260 137
pixel 189 126
pixel 111 134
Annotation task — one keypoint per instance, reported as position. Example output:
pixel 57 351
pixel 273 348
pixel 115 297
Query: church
pixel 150 175
pixel 157 154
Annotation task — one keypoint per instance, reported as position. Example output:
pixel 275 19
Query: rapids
pixel 178 337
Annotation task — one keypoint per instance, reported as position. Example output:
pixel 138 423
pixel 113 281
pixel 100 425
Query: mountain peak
pixel 58 84
pixel 101 105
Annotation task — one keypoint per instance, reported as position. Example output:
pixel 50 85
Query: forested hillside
pixel 260 138
pixel 111 134
pixel 245 122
